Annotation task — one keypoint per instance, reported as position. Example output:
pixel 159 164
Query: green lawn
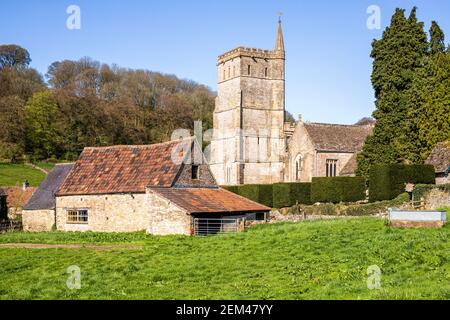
pixel 45 165
pixel 15 174
pixel 310 260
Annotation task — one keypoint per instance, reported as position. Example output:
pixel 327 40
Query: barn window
pixel 331 168
pixel 195 172
pixel 77 216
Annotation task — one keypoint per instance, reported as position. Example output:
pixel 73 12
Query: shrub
pixel 249 191
pixel 282 195
pixel 233 189
pixel 289 194
pixel 301 193
pixel 279 195
pixel 388 181
pixel 338 189
pixel 366 209
pixel 261 193
pixel 265 195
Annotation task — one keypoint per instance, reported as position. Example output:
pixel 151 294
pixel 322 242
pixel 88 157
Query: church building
pixel 253 144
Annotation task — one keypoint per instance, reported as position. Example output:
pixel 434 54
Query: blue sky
pixel 327 42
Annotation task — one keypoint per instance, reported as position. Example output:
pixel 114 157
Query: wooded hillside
pixel 87 103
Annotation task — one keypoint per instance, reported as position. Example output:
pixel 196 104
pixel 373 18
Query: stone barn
pixel 38 214
pixel 136 188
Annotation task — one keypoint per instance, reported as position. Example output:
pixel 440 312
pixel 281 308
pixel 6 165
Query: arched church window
pixel 298 167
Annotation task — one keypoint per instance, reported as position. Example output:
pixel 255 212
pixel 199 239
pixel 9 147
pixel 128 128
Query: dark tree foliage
pixel 93 104
pixel 13 56
pixel 411 78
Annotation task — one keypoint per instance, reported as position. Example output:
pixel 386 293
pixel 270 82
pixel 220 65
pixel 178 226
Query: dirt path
pixel 37 167
pixel 69 246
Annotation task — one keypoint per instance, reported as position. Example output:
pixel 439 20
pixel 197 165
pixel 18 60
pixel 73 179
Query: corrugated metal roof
pixel 44 197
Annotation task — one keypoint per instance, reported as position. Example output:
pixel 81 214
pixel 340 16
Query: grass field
pixel 45 165
pixel 310 260
pixel 15 174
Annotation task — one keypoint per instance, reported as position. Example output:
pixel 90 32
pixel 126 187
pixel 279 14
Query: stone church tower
pixel 248 144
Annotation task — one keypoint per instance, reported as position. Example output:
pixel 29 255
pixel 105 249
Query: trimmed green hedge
pixel 301 193
pixel 289 194
pixel 388 181
pixel 281 195
pixel 265 196
pixel 338 189
pixel 233 189
pixel 249 191
pixel 278 195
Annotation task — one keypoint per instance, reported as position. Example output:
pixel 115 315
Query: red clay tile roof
pixel 209 200
pixel 440 157
pixel 337 137
pixel 17 197
pixel 123 169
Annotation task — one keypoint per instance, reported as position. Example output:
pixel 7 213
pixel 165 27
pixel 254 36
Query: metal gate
pixel 206 226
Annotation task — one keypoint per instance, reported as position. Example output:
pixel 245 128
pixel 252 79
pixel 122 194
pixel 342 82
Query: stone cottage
pixel 38 214
pixel 163 189
pixel 440 160
pixel 253 143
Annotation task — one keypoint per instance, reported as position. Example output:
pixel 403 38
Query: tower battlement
pixel 252 53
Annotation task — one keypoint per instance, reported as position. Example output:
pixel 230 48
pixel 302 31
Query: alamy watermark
pixel 73 282
pixel 373 277
pixel 73 22
pixel 374 19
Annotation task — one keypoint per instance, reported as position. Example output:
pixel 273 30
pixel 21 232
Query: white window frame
pixel 81 216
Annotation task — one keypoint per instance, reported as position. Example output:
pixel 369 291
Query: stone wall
pixel 442 179
pixel 205 177
pixel 166 218
pixel 124 213
pixel 38 220
pixel 300 148
pixel 436 199
pixel 322 157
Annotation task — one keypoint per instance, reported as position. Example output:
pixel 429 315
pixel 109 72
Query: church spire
pixel 280 41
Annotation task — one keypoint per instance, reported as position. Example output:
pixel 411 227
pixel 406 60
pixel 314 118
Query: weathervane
pixel 280 14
